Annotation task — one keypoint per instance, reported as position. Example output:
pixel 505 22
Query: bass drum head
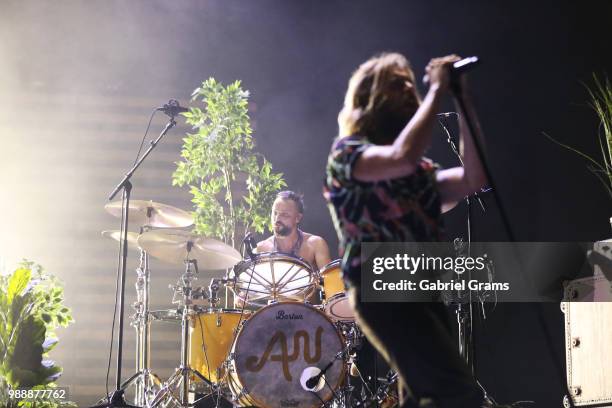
pixel 275 348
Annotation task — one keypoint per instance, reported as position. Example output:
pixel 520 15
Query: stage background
pixel 79 79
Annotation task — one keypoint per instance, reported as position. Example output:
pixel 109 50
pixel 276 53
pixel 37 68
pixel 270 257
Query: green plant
pixel 233 187
pixel 601 102
pixel 31 308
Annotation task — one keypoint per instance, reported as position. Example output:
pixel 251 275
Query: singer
pixel 381 188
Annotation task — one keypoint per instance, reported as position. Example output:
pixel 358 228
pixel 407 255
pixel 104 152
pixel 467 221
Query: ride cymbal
pixel 150 213
pixel 175 246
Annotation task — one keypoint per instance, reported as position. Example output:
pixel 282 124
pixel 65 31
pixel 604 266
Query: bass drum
pixel 277 350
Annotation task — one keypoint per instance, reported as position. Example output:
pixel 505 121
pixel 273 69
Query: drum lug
pixel 219 320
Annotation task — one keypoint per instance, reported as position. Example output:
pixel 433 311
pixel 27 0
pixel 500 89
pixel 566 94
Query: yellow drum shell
pixel 219 328
pixel 332 279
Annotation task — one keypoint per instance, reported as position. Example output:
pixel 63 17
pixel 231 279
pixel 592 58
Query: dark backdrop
pixel 296 57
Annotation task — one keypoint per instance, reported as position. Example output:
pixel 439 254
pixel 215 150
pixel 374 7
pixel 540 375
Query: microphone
pixel 249 245
pixel 458 68
pixel 172 108
pixel 310 380
pixel 464 65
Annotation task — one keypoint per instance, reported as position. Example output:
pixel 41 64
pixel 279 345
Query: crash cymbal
pixel 150 213
pixel 175 246
pixel 116 235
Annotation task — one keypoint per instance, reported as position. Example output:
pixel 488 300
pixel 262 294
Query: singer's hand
pixel 437 73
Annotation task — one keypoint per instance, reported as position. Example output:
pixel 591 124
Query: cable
pixel 320 399
pixel 204 348
pixel 144 136
pixel 112 339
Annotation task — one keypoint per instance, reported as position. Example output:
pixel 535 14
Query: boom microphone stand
pixel 117 399
pixel 465 309
pixel 459 97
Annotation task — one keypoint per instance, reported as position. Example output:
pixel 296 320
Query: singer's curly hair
pixel 377 105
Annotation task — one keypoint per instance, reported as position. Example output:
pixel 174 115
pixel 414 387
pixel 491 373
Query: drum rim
pixel 330 266
pixel 239 379
pixel 334 300
pixel 277 254
pixel 223 310
pixel 264 257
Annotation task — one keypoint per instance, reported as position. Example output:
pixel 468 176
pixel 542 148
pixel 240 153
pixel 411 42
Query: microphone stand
pixel 455 87
pixel 117 399
pixel 464 310
pixel 456 90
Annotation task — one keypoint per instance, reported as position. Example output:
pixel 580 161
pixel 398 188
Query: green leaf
pixel 18 282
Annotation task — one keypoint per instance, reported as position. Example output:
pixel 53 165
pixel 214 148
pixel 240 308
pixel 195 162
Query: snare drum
pixel 273 276
pixel 212 336
pixel 278 349
pixel 336 303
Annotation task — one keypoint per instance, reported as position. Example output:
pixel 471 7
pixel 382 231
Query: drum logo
pixel 281 315
pixel 284 357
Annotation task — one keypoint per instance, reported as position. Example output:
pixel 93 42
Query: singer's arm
pixel 381 162
pixel 399 159
pixel 458 182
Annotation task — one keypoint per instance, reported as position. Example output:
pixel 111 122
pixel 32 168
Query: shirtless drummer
pixel 287 212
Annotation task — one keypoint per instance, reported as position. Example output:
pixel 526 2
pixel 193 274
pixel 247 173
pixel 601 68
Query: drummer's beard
pixel 282 230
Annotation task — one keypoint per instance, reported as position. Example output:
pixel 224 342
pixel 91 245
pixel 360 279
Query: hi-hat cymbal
pixel 175 246
pixel 116 235
pixel 150 213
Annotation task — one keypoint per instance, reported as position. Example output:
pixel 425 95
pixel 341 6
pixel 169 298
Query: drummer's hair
pixel 298 199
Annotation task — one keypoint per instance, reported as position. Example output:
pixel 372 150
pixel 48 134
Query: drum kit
pixel 273 349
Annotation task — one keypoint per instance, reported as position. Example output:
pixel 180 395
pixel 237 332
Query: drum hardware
pixel 181 378
pixel 383 397
pixel 144 379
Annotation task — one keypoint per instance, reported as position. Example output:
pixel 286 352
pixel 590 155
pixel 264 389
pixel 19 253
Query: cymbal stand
pixel 144 379
pixel 181 379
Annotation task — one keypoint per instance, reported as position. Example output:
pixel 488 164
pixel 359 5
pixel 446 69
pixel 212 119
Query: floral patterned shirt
pixel 395 210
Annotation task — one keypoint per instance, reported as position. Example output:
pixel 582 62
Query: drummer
pixel 287 213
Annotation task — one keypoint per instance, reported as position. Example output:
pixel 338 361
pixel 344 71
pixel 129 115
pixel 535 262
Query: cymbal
pixel 150 213
pixel 175 246
pixel 132 237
